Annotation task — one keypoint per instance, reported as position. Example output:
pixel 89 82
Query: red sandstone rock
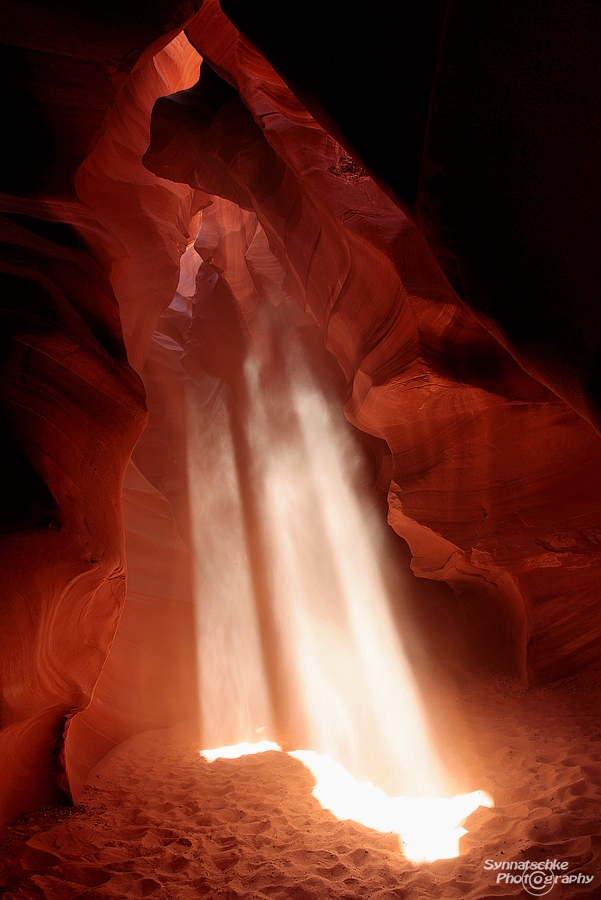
pixel 492 477
pixel 422 373
pixel 72 406
pixel 76 413
pixel 150 218
pixel 148 680
pixel 483 121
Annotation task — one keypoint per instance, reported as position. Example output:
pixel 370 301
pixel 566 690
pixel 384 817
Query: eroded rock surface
pixel 484 122
pixel 72 406
pixel 470 432
pixel 492 478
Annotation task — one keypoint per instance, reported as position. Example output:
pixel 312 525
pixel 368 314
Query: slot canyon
pixel 301 482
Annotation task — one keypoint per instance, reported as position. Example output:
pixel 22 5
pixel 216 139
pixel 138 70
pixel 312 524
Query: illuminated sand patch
pixel 235 751
pixel 429 828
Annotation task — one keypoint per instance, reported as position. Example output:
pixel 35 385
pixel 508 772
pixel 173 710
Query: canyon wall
pixel 475 488
pixel 446 246
pixel 483 123
pixel 72 405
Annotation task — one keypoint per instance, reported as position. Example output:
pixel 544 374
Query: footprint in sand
pixel 226 860
pixel 177 864
pixel 33 859
pixel 149 886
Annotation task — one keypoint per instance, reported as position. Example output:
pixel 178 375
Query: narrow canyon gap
pixel 204 259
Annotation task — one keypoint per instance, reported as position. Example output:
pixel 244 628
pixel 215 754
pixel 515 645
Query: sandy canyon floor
pixel 158 821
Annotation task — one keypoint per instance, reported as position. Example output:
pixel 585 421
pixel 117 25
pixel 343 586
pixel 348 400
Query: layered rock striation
pixel 72 406
pixel 472 473
pixel 483 122
pixel 455 289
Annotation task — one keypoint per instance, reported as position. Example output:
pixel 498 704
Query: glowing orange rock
pixel 469 431
pixel 148 679
pixel 73 407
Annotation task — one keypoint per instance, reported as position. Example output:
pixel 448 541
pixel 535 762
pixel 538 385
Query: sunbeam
pixel 297 641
